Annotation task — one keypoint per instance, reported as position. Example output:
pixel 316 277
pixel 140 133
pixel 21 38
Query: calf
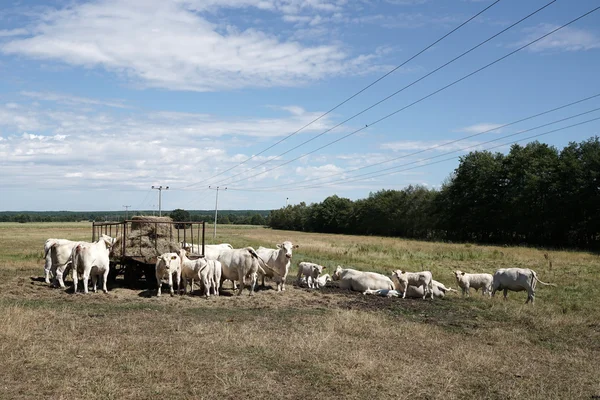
pixel 403 279
pixel 168 264
pixel 320 282
pixel 310 271
pixel 516 279
pixel 439 291
pixel 195 269
pixel 91 260
pixel 475 281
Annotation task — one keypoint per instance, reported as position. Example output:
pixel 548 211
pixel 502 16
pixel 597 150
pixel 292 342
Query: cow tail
pixel 261 263
pixel 543 283
pixel 48 249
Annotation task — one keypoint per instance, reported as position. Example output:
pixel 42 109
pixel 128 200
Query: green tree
pixel 180 215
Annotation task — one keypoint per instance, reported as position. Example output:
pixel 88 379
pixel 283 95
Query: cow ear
pixel 462 273
pixel 278 245
pixel 324 267
pixel 296 246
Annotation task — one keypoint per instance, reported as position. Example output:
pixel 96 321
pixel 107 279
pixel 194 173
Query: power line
pixel 421 99
pixel 442 144
pixel 400 90
pixel 355 94
pixel 364 177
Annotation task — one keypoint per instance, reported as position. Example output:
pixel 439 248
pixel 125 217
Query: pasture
pixel 302 343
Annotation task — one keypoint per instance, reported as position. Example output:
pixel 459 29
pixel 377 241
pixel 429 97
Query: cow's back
pixel 515 279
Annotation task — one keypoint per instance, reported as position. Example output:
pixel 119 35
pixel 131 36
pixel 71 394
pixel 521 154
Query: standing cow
pixel 516 280
pixel 402 280
pixel 168 264
pixel 91 260
pixel 277 263
pixel 238 265
pixel 57 254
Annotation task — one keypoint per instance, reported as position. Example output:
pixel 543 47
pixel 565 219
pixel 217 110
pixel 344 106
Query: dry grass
pixel 301 344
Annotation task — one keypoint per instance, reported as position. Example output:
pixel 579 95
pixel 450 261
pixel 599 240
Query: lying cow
pixel 383 292
pixel 516 279
pixel 310 271
pixel 439 291
pixel 168 264
pixel 475 281
pixel 91 260
pixel 240 264
pixel 403 280
pixel 359 281
pixel 276 263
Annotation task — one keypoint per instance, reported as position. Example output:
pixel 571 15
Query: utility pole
pixel 160 189
pixel 216 206
pixel 287 201
pixel 126 212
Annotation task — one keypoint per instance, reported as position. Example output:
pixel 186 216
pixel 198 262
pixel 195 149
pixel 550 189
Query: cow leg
pixel 94 282
pixel 530 296
pixel 104 280
pixel 86 277
pixel 216 286
pixel 75 280
pixel 206 283
pixel 254 278
pixel 242 284
pixel 59 277
pixel 505 293
pixel 171 284
pixel 159 282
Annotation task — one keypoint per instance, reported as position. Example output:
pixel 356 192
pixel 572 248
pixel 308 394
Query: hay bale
pixel 147 238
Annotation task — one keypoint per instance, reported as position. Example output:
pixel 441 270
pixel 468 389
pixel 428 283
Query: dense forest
pixel 535 195
pixel 240 217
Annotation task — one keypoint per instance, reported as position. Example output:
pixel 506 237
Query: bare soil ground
pixel 302 343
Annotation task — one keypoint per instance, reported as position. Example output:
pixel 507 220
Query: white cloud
pixel 479 128
pixel 71 100
pixel 13 32
pixel 566 39
pixel 168 44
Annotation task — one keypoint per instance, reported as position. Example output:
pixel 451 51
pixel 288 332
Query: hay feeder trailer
pixel 140 241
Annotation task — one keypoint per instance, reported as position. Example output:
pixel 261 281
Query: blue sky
pixel 101 99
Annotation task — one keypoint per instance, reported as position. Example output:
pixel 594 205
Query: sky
pixel 100 100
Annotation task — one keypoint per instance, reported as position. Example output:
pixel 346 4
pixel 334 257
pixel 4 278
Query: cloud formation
pixel 172 45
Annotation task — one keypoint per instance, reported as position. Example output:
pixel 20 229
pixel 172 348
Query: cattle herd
pixel 244 266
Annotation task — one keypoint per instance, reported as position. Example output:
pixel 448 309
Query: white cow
pixel 383 292
pixel 195 269
pixel 320 282
pixel 239 264
pixel 277 263
pixel 475 281
pixel 215 278
pixel 168 264
pixel 439 291
pixel 516 279
pixel 91 260
pixel 402 280
pixel 61 256
pixel 212 249
pixel 310 271
pixel 359 281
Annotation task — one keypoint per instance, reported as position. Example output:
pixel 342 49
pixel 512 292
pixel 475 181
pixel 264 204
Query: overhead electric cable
pixel 421 99
pixel 355 94
pixel 442 144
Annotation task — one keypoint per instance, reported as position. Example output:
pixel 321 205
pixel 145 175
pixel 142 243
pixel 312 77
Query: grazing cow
pixel 57 253
pixel 277 263
pixel 168 264
pixel 402 280
pixel 360 281
pixel 195 269
pixel 310 271
pixel 516 279
pixel 91 260
pixel 475 281
pixel 239 264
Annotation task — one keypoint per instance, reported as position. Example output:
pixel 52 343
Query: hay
pixel 147 238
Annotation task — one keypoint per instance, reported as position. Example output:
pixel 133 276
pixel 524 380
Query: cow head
pixel 399 279
pixel 458 274
pixel 287 247
pixel 337 273
pixel 108 241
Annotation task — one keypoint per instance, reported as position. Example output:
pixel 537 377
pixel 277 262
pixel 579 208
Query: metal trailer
pixel 135 267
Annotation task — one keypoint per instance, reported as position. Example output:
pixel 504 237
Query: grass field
pixel 301 343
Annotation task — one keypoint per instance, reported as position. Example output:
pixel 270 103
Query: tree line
pixel 239 217
pixel 535 195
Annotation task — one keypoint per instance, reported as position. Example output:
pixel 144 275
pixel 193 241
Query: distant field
pixel 301 344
